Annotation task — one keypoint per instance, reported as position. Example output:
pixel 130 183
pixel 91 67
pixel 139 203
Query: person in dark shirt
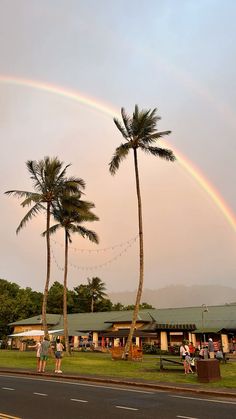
pixel 211 349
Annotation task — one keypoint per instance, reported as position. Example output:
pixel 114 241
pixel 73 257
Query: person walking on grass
pixel 58 356
pixel 185 357
pixel 44 351
pixel 187 364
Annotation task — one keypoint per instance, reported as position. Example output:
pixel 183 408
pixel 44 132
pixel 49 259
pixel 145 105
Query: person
pixel 211 348
pixel 37 347
pixel 201 353
pixel 191 349
pixel 184 352
pixel 44 351
pixel 219 355
pixel 38 351
pixel 188 364
pixel 58 355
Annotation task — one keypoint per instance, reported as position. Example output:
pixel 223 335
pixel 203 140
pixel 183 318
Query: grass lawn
pixel 100 364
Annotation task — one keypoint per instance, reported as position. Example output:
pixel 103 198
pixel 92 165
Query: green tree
pixel 118 307
pixel 142 306
pixel 104 305
pixel 70 212
pixel 27 303
pixel 49 182
pixel 16 303
pixel 139 132
pixel 97 290
pixel 82 299
pixel 55 298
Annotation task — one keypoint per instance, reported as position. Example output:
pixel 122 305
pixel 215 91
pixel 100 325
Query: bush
pixel 152 349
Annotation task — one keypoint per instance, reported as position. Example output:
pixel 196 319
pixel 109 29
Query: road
pixel 39 397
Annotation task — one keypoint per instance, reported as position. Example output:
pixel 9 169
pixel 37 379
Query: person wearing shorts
pixel 37 346
pixel 45 348
pixel 58 356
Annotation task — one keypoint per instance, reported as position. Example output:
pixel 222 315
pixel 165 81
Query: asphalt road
pixel 37 398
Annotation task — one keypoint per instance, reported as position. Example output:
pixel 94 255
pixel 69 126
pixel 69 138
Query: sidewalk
pixel 175 387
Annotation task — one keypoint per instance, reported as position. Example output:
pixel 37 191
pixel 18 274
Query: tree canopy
pixel 18 303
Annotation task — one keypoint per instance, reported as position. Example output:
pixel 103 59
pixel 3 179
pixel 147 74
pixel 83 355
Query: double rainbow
pixel 194 172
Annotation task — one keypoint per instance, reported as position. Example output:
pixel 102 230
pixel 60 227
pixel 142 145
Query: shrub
pixel 152 349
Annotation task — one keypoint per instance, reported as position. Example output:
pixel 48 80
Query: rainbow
pixel 205 184
pixel 108 110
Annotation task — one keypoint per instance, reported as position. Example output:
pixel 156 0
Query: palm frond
pixel 35 210
pixel 87 216
pixel 34 169
pixel 136 112
pixel 121 128
pixel 62 174
pixel 145 124
pixel 119 155
pixel 18 194
pixel 73 184
pixel 52 230
pixel 127 122
pixel 84 232
pixel 33 198
pixel 163 153
pixel 159 134
pixel 152 138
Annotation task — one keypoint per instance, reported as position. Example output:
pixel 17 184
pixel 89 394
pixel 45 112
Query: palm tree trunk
pixel 65 319
pixel 45 295
pixel 141 261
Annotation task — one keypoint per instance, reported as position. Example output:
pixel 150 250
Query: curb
pixel 123 382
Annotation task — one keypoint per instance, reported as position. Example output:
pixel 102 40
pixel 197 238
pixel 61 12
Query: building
pixel 162 327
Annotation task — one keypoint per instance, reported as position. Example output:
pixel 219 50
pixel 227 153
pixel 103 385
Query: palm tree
pixel 48 176
pixel 97 290
pixel 70 212
pixel 139 131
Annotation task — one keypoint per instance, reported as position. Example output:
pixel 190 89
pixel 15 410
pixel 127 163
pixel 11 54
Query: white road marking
pixel 78 400
pixel 82 384
pixel 185 417
pixel 40 394
pixel 8 388
pixel 204 400
pixel 125 407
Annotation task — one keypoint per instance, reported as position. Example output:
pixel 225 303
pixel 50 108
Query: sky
pixel 85 60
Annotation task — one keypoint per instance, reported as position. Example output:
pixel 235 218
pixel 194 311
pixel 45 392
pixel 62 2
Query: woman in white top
pixel 37 346
pixel 58 355
pixel 184 353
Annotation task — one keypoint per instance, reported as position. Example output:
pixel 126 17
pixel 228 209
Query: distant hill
pixel 179 296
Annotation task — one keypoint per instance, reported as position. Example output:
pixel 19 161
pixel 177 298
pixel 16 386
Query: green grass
pixel 99 364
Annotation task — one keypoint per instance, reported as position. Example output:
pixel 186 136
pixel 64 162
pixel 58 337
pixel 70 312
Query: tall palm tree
pixel 49 181
pixel 97 290
pixel 139 132
pixel 69 213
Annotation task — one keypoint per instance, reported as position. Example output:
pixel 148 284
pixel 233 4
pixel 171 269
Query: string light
pixel 130 243
pixel 97 250
pixel 57 264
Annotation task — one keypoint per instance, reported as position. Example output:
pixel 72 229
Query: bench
pixel 229 357
pixel 172 361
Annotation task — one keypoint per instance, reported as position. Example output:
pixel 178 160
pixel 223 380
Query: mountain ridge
pixel 179 296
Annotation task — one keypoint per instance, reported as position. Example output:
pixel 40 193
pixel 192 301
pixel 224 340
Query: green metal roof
pixel 52 319
pixel 216 318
